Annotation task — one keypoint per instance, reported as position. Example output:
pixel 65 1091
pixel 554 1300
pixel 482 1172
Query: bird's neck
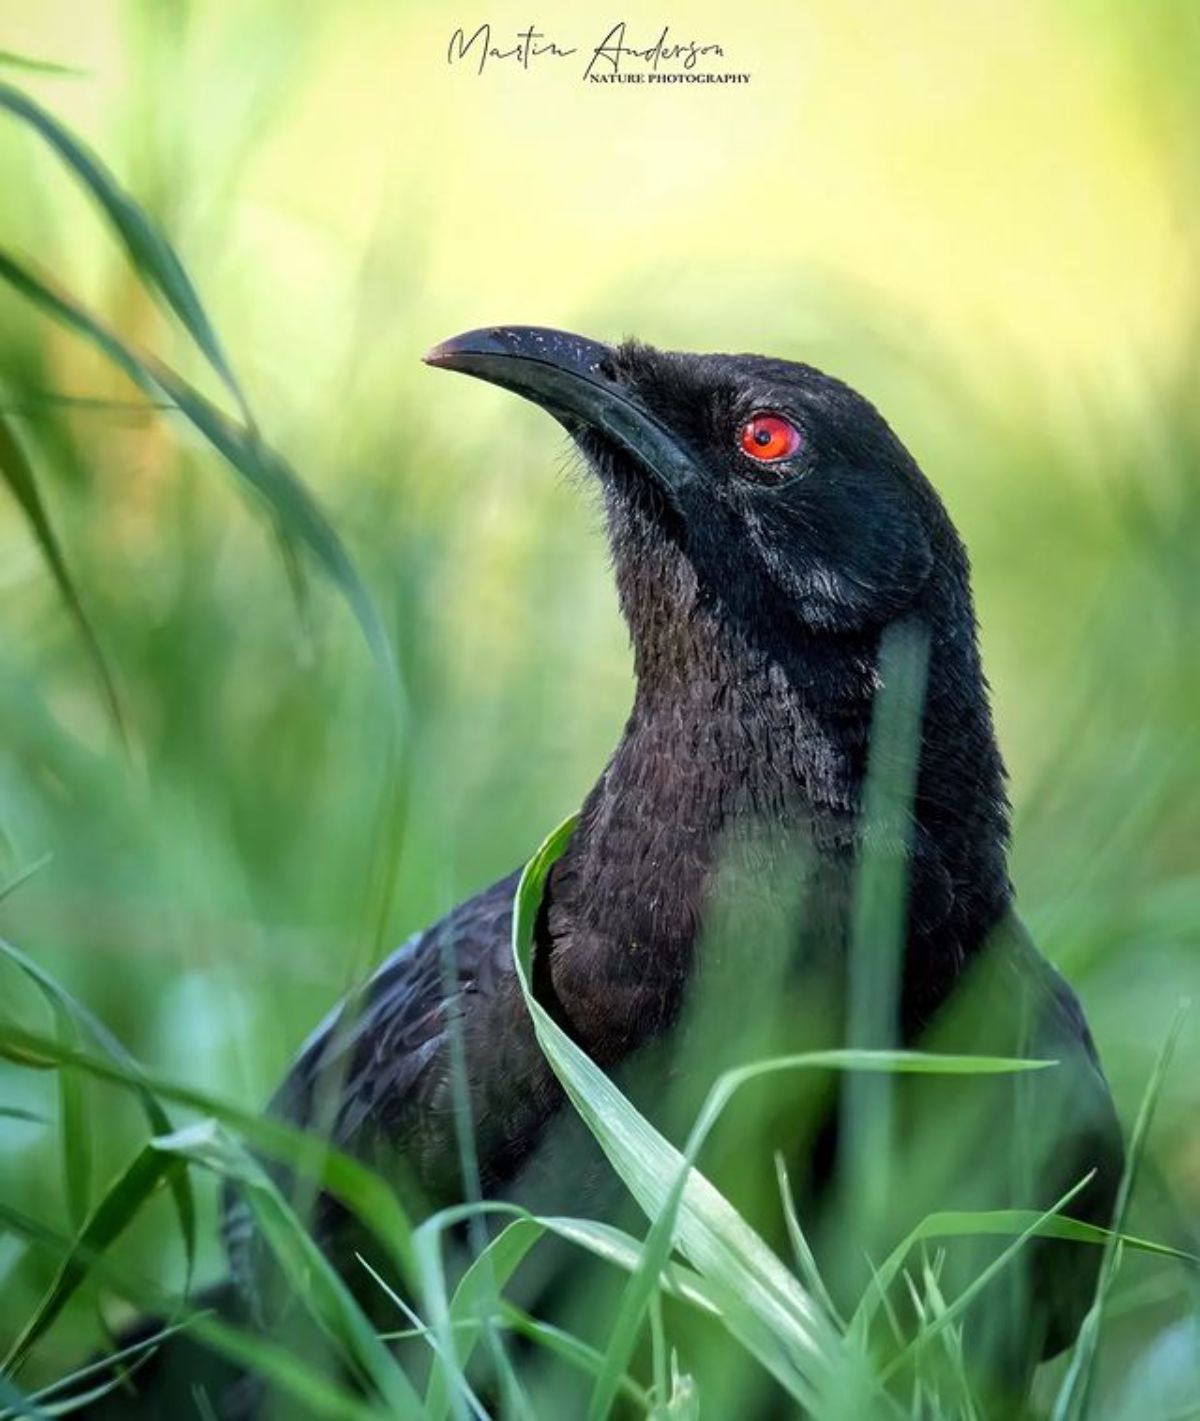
pixel 725 736
pixel 720 738
pixel 724 728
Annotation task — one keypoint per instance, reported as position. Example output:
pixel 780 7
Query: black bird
pixel 768 532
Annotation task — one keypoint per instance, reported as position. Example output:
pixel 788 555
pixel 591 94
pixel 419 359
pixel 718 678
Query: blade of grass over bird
pixel 315 1283
pixel 978 1283
pixel 879 919
pixel 685 1210
pixel 1071 1402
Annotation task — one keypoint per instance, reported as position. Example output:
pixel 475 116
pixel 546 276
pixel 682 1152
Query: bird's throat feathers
pixel 750 723
pixel 727 726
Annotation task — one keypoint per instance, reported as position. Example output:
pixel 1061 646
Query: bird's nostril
pixel 608 368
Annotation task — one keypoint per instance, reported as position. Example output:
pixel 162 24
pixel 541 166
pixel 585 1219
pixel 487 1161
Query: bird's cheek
pixel 788 563
pixel 903 563
pixel 883 574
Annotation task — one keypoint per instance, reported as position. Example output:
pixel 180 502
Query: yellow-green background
pixel 983 214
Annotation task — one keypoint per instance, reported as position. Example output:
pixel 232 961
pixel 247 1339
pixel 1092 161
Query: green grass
pixel 228 786
pixel 698 1248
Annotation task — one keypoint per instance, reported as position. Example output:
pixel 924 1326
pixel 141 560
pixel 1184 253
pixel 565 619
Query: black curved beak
pixel 577 381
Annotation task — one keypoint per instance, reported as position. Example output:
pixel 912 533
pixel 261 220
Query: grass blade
pixel 17 1112
pixel 22 877
pixel 313 1278
pixel 660 1238
pixel 570 1348
pixel 16 1403
pixel 981 1280
pixel 477 1293
pixel 137 1352
pixel 11 60
pixel 709 1231
pixel 620 1250
pixel 269 476
pixel 684 1208
pixel 123 1201
pixel 1072 1399
pixel 312 1392
pixel 641 1288
pixel 806 1262
pixel 361 1191
pixel 17 472
pixel 880 914
pixel 75 1134
pixel 997 1222
pixel 145 244
pixel 68 1008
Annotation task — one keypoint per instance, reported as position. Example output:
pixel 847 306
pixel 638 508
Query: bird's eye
pixel 769 437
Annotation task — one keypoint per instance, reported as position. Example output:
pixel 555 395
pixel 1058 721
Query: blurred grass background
pixel 983 215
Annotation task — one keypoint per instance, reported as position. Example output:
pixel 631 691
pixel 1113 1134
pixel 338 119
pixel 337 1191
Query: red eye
pixel 767 437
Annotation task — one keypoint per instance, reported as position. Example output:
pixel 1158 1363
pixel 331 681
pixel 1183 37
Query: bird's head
pixel 768 531
pixel 759 488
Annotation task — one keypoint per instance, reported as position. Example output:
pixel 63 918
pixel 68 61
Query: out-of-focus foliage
pixel 983 215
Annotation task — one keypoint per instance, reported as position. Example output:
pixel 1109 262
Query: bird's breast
pixel 676 851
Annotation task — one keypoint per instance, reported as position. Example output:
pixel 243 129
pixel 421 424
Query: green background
pixel 982 215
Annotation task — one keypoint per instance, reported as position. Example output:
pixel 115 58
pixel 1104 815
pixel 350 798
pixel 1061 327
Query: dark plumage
pixel 757 592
